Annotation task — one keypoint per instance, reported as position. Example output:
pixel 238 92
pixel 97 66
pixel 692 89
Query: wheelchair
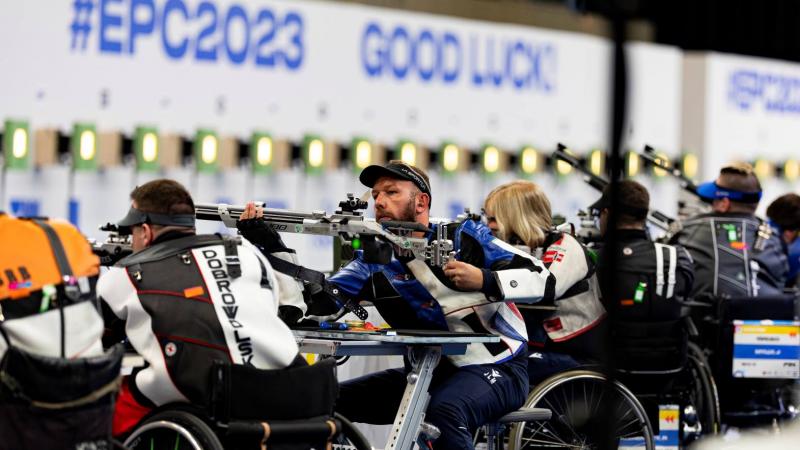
pixel 584 405
pixel 290 409
pixel 657 361
pixel 688 395
pixel 57 403
pixel 751 394
pixel 653 364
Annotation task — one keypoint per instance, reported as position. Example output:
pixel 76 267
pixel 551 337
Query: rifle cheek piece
pixel 376 251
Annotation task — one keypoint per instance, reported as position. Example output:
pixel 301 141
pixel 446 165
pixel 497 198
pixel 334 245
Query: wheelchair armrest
pixel 691 328
pixel 319 429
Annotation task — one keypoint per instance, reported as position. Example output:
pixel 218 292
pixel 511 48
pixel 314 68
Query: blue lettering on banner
pixel 776 93
pixel 206 32
pixel 401 53
pixel 24 207
pixel 108 22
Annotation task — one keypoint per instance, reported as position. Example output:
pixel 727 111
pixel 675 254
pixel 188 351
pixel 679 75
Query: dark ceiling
pixel 768 28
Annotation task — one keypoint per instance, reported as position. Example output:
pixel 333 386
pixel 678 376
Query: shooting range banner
pixel 336 70
pixel 739 108
pixel 339 69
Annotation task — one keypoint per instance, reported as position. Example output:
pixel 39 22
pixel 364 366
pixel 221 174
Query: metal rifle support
pixel 441 249
pixel 654 217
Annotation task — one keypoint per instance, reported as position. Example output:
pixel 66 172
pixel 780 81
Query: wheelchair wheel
pixel 173 430
pixel 349 438
pixel 587 410
pixel 703 393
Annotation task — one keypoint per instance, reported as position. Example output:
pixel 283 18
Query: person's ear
pixel 423 200
pixel 148 234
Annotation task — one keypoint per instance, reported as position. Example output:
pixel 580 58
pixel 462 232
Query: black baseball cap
pixel 399 171
pixel 638 211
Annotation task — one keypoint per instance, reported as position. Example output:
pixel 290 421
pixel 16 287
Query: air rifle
pixel 114 248
pixel 377 239
pixel 595 181
pixel 649 155
pixel 347 222
pixel 655 217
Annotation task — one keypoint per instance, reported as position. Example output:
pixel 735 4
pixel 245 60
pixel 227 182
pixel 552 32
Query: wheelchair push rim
pixel 173 430
pixel 580 400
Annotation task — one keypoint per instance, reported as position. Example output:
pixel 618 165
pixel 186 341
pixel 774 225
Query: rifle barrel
pixel 208 211
pixel 655 217
pixel 650 156
pixel 593 180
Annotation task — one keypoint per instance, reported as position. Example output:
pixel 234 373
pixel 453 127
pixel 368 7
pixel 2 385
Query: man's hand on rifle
pixel 252 211
pixel 254 228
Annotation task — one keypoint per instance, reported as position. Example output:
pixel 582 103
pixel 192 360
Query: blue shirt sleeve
pixel 492 253
pixel 352 277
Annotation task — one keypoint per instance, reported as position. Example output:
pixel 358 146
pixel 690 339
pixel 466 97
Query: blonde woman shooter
pixel 568 333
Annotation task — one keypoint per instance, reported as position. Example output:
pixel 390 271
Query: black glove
pixel 321 303
pixel 307 323
pixel 290 315
pixel 261 234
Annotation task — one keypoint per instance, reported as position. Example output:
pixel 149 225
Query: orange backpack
pixel 28 261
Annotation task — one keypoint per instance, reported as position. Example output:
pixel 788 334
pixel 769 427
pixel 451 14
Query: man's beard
pixel 408 214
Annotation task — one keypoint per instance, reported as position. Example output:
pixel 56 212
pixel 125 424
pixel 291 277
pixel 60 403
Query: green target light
pixel 356 244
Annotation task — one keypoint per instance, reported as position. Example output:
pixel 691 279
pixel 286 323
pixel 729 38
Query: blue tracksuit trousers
pixel 462 399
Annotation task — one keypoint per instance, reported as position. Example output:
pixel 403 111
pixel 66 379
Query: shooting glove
pixel 261 234
pixel 290 315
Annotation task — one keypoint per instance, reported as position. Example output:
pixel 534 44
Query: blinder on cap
pixel 138 217
pixel 713 191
